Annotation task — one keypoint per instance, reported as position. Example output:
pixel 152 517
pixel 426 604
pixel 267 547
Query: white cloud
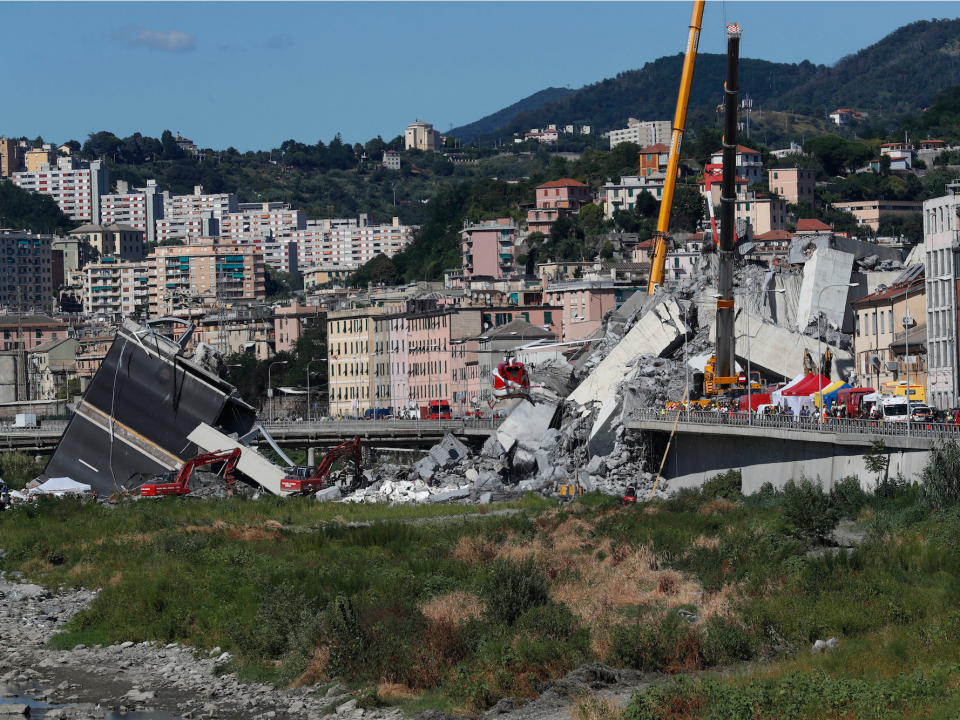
pixel 170 41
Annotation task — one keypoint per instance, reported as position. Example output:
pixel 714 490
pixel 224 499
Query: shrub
pixel 807 509
pixel 941 476
pixel 726 642
pixel 652 645
pixel 727 486
pixel 848 498
pixel 510 590
pixel 552 620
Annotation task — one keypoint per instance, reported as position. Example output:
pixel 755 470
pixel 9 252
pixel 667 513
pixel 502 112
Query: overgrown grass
pixel 455 615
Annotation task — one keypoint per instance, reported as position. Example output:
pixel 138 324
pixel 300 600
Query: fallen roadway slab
pixel 138 411
pixel 252 464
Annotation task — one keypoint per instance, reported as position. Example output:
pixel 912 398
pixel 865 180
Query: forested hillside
pixel 500 118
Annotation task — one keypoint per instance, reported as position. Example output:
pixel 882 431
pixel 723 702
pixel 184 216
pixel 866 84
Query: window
pixel 548 318
pixel 882 328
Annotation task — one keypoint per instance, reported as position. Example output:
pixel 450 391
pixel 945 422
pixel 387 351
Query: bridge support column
pixel 311 456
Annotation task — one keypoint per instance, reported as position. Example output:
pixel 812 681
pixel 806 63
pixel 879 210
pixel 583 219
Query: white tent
pixel 60 486
pixel 776 397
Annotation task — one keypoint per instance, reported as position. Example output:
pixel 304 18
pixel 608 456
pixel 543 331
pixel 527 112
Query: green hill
pixel 497 120
pixel 23 210
pixel 898 75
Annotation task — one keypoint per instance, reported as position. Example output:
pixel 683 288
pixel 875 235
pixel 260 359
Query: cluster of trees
pixel 21 209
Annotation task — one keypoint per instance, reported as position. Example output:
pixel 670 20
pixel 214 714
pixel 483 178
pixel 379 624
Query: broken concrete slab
pixel 252 464
pixel 449 495
pixel 527 423
pixel 825 287
pixel 658 333
pixel 492 448
pixel 602 434
pixel 329 494
pixel 449 451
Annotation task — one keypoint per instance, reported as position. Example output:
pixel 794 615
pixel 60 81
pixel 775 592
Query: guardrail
pixel 809 424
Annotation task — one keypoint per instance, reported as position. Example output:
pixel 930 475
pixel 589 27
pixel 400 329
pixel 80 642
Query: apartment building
pixel 582 305
pixel 76 187
pixel 204 273
pixel 554 200
pixel 26 271
pixel 350 343
pixel 94 344
pixel 749 163
pixel 623 195
pixel 138 208
pixel 317 275
pixel 879 327
pixel 52 365
pixel 488 249
pixel 116 289
pixel 653 159
pixel 254 221
pixel 941 239
pixel 422 136
pixel 391 160
pixel 868 212
pixel 34 330
pixel 122 241
pixel 11 157
pixel 347 242
pixel 793 184
pixel 642 133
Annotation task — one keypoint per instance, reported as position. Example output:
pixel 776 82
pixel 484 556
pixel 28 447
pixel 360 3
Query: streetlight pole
pixel 270 382
pixel 309 405
pixel 819 355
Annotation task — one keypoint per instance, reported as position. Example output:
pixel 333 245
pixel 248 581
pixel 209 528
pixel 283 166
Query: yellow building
pixel 351 371
pixel 38 157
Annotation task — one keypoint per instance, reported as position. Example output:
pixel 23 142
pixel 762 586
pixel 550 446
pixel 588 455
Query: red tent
pixel 756 400
pixel 808 386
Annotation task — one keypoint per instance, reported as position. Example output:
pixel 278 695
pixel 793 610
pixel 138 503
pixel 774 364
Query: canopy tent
pixel 776 397
pixel 830 394
pixel 795 396
pixel 809 385
pixel 60 486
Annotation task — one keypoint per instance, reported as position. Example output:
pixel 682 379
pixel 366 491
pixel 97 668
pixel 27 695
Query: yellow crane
pixel 673 163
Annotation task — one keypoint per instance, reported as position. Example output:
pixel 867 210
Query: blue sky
pixel 254 74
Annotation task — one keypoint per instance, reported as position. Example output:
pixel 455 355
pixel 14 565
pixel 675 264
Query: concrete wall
pixel 825 277
pixel 695 458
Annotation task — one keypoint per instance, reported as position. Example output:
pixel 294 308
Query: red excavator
pixel 181 484
pixel 318 479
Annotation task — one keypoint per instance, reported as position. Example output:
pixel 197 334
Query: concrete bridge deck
pixel 777 449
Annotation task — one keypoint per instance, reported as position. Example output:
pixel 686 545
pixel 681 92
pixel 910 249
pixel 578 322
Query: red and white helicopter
pixel 510 380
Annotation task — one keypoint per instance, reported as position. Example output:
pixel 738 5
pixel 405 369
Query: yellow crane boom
pixel 673 163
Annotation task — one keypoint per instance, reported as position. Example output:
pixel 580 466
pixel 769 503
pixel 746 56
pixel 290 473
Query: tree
pixel 910 225
pixel 687 208
pixel 379 271
pixel 606 252
pixel 171 151
pixel 836 153
pixel 591 218
pixel 21 208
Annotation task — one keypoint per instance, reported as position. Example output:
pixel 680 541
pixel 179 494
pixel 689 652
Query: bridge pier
pixel 311 456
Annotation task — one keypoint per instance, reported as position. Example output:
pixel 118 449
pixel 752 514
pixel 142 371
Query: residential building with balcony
pixel 120 241
pixel 583 304
pixel 653 159
pixel 941 245
pixel 76 187
pixel 554 200
pixel 879 339
pixel 115 289
pixel 317 275
pixel 205 273
pixel 642 133
pixel 749 163
pixel 868 212
pixel 36 330
pixel 350 357
pixel 27 271
pixel 41 158
pixel 488 249
pixel 139 208
pixel 623 195
pixel 349 242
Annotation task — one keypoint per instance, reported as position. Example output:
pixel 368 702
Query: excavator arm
pixel 318 479
pixel 659 260
pixel 181 484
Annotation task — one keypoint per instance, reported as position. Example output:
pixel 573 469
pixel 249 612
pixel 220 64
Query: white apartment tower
pixel 77 187
pixel 941 243
pixel 643 134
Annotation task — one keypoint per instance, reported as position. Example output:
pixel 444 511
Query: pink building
pixel 583 305
pixel 554 200
pixel 289 323
pixel 489 249
pixel 37 329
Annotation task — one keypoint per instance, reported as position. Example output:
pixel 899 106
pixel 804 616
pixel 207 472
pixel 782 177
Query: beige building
pixel 52 364
pixel 204 273
pixel 37 158
pixel 422 136
pixel 123 241
pixel 868 212
pixel 116 288
pixel 879 341
pixel 643 133
pixel 322 274
pixel 792 184
pixel 350 350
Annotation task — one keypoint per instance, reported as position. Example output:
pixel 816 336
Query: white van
pixel 893 408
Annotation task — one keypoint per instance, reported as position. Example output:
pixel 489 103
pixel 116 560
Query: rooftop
pixel 565 182
pixel 812 225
